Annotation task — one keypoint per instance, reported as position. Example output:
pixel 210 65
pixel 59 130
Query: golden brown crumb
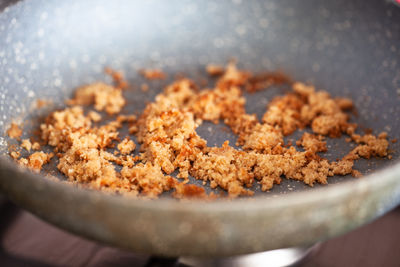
pixel 40 103
pixel 35 146
pixel 36 160
pixel 312 142
pixel 214 70
pixel 394 140
pixel 285 112
pixel 344 103
pixel 118 78
pixel 166 132
pixel 14 131
pixel 189 191
pixel 126 146
pixel 153 74
pixel 127 118
pixel 222 168
pixel 104 97
pixel 233 76
pixel 26 144
pixel 265 80
pixel 370 145
pixel 94 116
pixel 15 154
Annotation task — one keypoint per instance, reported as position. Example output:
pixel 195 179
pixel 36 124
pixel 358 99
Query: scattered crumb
pixel 266 80
pixel 312 142
pixel 94 116
pixel 14 131
pixel 166 132
pixel 189 191
pixel 118 78
pixel 153 74
pixel 127 118
pixel 36 160
pixel 40 103
pixel 214 70
pixel 15 154
pixel 26 144
pixel 103 96
pixel 394 140
pixel 35 146
pixel 126 146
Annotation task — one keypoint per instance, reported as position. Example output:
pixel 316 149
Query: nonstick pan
pixel 349 48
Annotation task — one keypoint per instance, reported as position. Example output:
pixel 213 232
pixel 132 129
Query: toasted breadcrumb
pixel 126 146
pixel 94 116
pixel 118 78
pixel 40 103
pixel 153 74
pixel 26 144
pixel 36 160
pixel 166 132
pixel 35 146
pixel 265 80
pixel 189 191
pixel 312 142
pixel 14 131
pixel 214 70
pixel 105 97
pixel 15 154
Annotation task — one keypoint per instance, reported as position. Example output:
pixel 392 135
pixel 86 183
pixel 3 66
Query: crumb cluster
pixel 166 132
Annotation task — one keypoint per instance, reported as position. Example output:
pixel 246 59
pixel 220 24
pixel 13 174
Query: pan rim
pixel 114 220
pixel 386 174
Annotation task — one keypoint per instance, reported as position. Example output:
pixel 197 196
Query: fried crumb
pixel 166 132
pixel 36 146
pixel 312 142
pixel 214 70
pixel 40 103
pixel 189 191
pixel 153 74
pixel 266 80
pixel 14 131
pixel 118 78
pixel 15 154
pixel 126 146
pixel 26 144
pixel 103 96
pixel 36 160
pixel 94 116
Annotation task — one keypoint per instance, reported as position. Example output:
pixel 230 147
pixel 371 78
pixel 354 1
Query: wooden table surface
pixel 29 241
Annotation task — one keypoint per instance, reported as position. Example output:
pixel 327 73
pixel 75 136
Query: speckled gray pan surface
pixel 349 48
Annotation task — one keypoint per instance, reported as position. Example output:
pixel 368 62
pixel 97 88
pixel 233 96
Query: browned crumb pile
pixel 166 131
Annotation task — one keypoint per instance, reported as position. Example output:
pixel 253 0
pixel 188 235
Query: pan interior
pixel 345 47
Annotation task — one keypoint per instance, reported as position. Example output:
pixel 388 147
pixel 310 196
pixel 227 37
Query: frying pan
pixel 349 48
